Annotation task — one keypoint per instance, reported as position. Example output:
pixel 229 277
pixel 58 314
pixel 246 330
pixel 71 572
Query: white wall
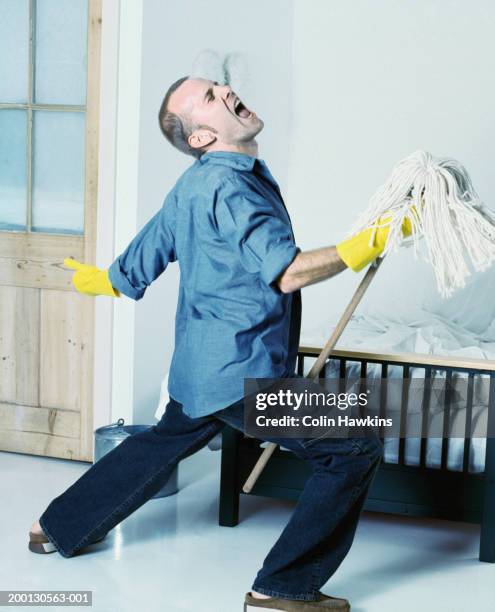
pixel 373 82
pixel 173 33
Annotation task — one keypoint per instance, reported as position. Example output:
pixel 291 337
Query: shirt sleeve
pixel 147 255
pixel 255 229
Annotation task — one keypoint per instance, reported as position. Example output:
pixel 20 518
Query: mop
pixel 437 197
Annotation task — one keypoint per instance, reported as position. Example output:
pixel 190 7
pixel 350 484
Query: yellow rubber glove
pixel 356 252
pixel 90 280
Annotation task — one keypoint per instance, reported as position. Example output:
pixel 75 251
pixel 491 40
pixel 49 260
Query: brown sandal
pixel 322 604
pixel 40 544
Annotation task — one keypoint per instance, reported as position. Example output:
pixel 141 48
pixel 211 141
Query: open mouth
pixel 241 111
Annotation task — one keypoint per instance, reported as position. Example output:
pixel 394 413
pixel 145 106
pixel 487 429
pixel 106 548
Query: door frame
pixel 120 94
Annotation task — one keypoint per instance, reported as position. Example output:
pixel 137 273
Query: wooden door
pixel 49 92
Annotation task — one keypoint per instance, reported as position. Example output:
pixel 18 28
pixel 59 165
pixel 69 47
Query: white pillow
pixel 164 398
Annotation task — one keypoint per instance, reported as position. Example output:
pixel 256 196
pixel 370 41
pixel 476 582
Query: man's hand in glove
pixel 90 280
pixel 357 253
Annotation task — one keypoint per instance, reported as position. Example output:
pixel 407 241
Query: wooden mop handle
pixel 319 363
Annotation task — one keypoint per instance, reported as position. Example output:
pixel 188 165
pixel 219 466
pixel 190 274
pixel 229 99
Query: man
pixel 238 316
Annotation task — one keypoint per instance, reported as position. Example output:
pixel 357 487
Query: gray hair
pixel 177 128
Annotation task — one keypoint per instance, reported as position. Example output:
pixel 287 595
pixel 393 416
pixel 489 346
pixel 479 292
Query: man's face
pixel 210 105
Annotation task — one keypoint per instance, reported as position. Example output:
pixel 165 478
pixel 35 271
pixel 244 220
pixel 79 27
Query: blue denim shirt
pixel 227 226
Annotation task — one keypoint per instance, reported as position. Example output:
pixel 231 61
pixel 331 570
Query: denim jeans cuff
pixel 46 531
pixel 269 592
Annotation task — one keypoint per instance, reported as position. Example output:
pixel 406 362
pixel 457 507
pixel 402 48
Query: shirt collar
pixel 239 161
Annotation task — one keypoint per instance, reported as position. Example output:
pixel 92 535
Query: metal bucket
pixel 110 436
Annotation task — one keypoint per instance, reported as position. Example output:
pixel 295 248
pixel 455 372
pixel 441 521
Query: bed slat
pixel 446 419
pixel 403 414
pixel 425 414
pixel 342 375
pixel 383 397
pixel 300 365
pixel 469 418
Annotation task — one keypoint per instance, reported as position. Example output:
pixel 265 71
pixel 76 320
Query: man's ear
pixel 201 138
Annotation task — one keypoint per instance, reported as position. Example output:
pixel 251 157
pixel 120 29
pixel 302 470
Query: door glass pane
pixel 14 50
pixel 13 169
pixel 61 54
pixel 58 172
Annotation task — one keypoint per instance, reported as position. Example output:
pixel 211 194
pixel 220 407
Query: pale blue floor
pixel 172 556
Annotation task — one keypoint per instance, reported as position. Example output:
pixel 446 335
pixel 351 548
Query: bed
pixel 443 478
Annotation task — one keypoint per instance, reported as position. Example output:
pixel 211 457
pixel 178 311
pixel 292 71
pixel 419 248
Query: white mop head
pixel 437 195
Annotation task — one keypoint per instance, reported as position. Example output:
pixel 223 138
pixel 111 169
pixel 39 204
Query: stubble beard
pixel 254 130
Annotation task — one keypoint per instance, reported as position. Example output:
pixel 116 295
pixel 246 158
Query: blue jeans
pixel 310 548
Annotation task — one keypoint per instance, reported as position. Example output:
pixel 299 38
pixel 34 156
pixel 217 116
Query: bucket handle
pixel 119 423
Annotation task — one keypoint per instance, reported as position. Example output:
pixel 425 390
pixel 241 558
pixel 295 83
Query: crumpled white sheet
pixel 462 326
pixel 457 418
pixel 433 333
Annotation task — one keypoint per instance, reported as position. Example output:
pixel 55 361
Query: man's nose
pixel 225 90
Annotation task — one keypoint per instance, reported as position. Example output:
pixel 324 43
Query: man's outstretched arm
pixel 355 253
pixel 144 259
pixel 310 267
pixel 147 255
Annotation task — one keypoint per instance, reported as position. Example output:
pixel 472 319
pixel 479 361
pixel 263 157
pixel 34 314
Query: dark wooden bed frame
pixel 398 488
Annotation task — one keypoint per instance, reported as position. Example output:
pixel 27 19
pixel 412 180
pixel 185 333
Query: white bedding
pixel 457 417
pixel 431 333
